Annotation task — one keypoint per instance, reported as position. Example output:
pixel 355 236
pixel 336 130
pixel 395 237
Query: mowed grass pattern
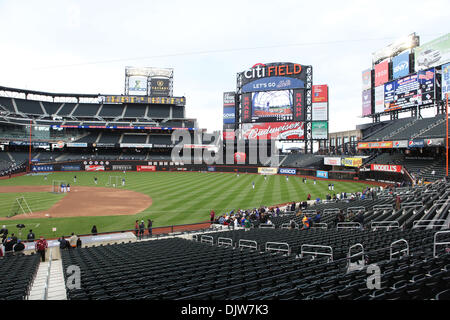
pixel 178 198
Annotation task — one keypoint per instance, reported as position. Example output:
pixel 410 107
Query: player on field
pixel 95 180
pixel 253 184
pixel 287 178
pixel 123 182
pixel 74 178
pixel 68 187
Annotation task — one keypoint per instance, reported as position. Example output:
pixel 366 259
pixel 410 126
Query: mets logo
pixel 159 83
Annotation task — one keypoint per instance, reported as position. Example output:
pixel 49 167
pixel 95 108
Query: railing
pixel 317 253
pixel 348 225
pixel 207 239
pixel 266 226
pixel 388 225
pixel 320 225
pixel 334 210
pixel 435 243
pixel 277 248
pixel 411 204
pixel 383 207
pixel 429 223
pixel 227 242
pixel 251 244
pixel 355 209
pixel 47 280
pixel 393 253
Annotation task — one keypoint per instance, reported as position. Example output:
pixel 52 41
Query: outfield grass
pixel 178 198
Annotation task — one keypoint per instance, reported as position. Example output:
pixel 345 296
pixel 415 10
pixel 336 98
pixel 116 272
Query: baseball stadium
pixel 122 196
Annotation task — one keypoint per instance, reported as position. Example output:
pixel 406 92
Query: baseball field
pixel 168 198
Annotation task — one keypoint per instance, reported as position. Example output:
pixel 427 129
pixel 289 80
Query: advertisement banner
pixel 351 162
pixel 160 87
pixel 367 79
pixel 299 105
pixel 400 144
pixel 433 53
pixel 401 93
pixel 416 143
pixel 228 115
pixel 426 92
pixel 320 93
pixel 179 101
pixel 322 174
pixel 265 170
pixel 41 168
pixel 246 107
pixel 400 65
pixel 274 130
pixel 229 99
pixel 137 85
pixel 228 135
pixel 320 111
pixel 122 167
pixel 379 99
pixel 319 130
pixel 94 168
pixel 366 102
pixel 375 145
pixel 136 145
pixel 436 142
pixel 76 144
pixel 287 171
pixel 145 168
pixel 386 168
pixel 27 143
pixel 381 73
pixel 332 161
pixel 211 168
pixel 70 168
pixel 445 80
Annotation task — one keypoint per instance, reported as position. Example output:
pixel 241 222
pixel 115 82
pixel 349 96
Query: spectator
pixel 247 225
pixel 141 229
pixel 63 244
pixel 397 202
pixel 13 238
pixel 73 241
pixel 212 215
pixel 1 252
pixel 4 232
pixel 94 230
pixel 9 245
pixel 136 228
pixel 19 247
pixel 149 227
pixel 305 222
pixel 309 197
pixel 78 242
pixel 31 236
pixel 317 217
pixel 41 246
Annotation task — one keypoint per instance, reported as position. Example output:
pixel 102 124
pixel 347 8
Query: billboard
pixel 322 174
pixel 433 53
pixel 273 130
pixel 272 105
pixel 146 168
pixel 367 79
pixel 445 80
pixel 332 161
pixel 381 73
pixel 288 171
pixel 179 101
pixel 401 93
pixel 228 135
pixel 40 168
pixel 70 168
pixel 396 47
pixel 366 102
pixel 400 65
pixel 239 157
pixel 386 168
pixel 427 81
pixel 400 144
pixel 320 93
pixel 76 144
pixel 267 170
pixel 379 99
pixel 320 111
pixel 273 76
pixel 228 115
pixel 416 143
pixel 319 130
pixel 351 162
pixel 94 168
pixel 137 85
pixel 160 87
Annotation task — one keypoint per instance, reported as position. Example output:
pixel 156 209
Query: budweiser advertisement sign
pixel 146 168
pixel 274 130
pixel 94 168
pixel 386 167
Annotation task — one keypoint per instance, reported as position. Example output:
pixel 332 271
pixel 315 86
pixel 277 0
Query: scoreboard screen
pixel 179 101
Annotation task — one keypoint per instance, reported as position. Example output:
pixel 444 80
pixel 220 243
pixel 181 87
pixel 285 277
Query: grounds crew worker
pixel 41 245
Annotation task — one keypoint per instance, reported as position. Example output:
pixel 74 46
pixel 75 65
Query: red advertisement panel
pixel 274 130
pixel 386 167
pixel 145 168
pixel 246 112
pixel 228 135
pixel 299 103
pixel 94 168
pixel 320 93
pixel 381 73
pixel 239 157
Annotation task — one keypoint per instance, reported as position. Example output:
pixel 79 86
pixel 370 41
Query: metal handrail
pixel 388 225
pixel 207 239
pixel 316 253
pixel 242 244
pixel 288 250
pixel 266 226
pixel 417 223
pixel 435 243
pixel 348 225
pixel 392 254
pixel 320 225
pixel 225 242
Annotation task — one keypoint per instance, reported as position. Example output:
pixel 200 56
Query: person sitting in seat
pixel 292 224
pixel 317 217
pixel 19 247
pixel 306 222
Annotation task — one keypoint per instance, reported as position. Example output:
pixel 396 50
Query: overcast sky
pixel 84 46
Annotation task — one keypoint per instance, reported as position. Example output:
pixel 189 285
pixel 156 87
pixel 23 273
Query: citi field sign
pixel 273 76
